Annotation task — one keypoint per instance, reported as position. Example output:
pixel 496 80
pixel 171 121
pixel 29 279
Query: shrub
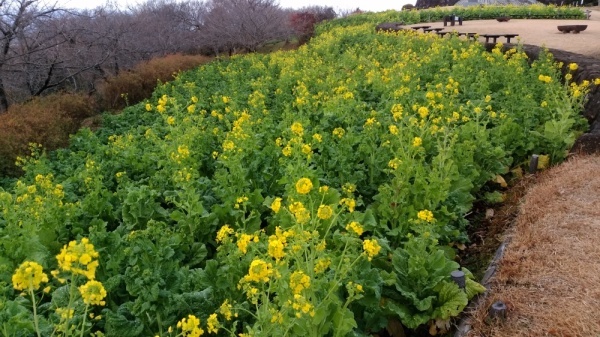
pixel 44 120
pixel 303 24
pixel 137 84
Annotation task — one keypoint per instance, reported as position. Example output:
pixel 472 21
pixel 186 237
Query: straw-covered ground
pixel 549 275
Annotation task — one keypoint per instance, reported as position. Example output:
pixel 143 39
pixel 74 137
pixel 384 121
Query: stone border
pixel 464 325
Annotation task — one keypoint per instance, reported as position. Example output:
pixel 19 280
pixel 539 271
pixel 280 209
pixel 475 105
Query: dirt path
pixel 549 276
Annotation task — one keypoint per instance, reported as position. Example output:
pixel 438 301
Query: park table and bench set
pixel 450 19
pixel 471 36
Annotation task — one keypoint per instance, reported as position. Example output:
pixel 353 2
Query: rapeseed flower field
pixel 316 192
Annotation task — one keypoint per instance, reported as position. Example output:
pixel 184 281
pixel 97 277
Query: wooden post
pixel 458 276
pixel 533 163
pixel 498 310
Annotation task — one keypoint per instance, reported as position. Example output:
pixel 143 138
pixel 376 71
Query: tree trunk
pixel 3 99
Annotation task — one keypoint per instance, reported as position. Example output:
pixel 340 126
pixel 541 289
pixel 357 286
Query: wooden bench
pixel 494 37
pixel 469 36
pixel 427 30
pixel 420 27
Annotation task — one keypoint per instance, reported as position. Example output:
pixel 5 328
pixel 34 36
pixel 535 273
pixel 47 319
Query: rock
pixel 390 26
pixel 588 143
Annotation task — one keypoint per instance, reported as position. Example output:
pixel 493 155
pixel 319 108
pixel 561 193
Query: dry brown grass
pixel 44 120
pixel 549 276
pixel 131 87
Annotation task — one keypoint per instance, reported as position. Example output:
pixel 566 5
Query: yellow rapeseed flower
pixel 417 141
pixel 276 316
pixel 304 185
pixel 302 306
pixel 287 151
pixel 297 129
pixel 306 149
pixel 322 265
pixel 228 145
pixel 324 212
pixel 183 151
pixel 79 258
pixel 394 163
pixel 299 281
pixel 425 215
pixel 339 132
pixel 259 271
pixel 244 240
pixel 321 246
pixel 397 110
pixel 93 293
pixel 64 313
pixel 371 248
pixel 225 310
pixel 190 326
pixel 29 276
pixel 276 205
pixel 355 227
pixel 302 215
pixel 223 233
pixel 348 202
pixel 349 188
pixel 276 247
pixel 212 324
pixel 370 121
pixel 573 66
pixel 545 79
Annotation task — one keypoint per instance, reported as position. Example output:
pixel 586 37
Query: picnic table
pixel 494 37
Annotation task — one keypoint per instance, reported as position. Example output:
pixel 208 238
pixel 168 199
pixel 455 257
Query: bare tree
pixel 44 48
pixel 20 18
pixel 246 24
